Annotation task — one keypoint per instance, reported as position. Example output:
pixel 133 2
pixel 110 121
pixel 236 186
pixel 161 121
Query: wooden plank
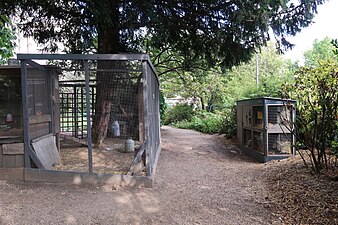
pixel 155 162
pixel 136 165
pixel 38 130
pixel 120 57
pixel 58 141
pixel 13 149
pixel 1 156
pixel 42 138
pixel 39 119
pixel 13 132
pixel 12 174
pixel 77 140
pixel 19 161
pixel 8 161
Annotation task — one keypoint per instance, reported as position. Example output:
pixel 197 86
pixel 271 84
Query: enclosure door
pixel 279 129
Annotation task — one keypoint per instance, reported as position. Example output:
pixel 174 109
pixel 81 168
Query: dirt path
pixel 199 180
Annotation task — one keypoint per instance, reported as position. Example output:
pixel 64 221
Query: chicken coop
pixel 265 128
pixel 42 117
pixel 53 98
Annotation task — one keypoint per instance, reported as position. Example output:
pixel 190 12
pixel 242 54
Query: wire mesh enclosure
pixel 73 117
pixel 114 98
pixel 265 127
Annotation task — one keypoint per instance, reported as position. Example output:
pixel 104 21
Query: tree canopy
pixel 222 88
pixel 7 38
pixel 229 31
pixel 322 50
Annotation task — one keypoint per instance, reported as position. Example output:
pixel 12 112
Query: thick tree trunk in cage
pixel 107 83
pixel 101 120
pixel 108 43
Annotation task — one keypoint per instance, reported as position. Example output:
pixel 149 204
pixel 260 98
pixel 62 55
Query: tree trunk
pixel 103 104
pixel 108 43
pixel 202 103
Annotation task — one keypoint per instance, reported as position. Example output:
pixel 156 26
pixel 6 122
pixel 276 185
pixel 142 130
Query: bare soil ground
pixel 201 179
pixel 108 158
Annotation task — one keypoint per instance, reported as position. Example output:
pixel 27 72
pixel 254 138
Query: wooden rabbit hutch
pixel 39 112
pixel 265 128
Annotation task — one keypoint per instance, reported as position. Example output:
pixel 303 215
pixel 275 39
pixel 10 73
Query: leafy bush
pixel 183 116
pixel 205 122
pixel 163 107
pixel 230 122
pixel 180 112
pixel 316 89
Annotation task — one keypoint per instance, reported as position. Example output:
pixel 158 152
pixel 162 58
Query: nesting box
pixel 265 127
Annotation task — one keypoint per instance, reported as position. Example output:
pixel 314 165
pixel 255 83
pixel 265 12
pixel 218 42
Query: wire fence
pixel 73 116
pixel 102 92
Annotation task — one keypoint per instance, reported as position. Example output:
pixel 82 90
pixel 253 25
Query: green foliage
pixel 222 88
pixel 230 122
pixel 222 122
pixel 273 73
pixel 225 32
pixel 316 89
pixel 321 51
pixel 185 34
pixel 182 34
pixel 7 38
pixel 335 45
pixel 206 87
pixel 334 145
pixel 179 112
pixel 163 107
pixel 205 122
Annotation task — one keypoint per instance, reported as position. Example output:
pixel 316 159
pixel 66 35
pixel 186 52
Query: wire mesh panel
pixel 39 102
pixel 10 103
pixel 280 115
pixel 280 126
pixel 114 96
pixel 118 88
pixel 73 115
pixel 279 144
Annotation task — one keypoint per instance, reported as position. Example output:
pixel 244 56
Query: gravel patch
pixel 199 180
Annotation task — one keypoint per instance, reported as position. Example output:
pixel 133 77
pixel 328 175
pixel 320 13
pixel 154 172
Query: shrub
pixel 316 89
pixel 179 112
pixel 163 107
pixel 222 122
pixel 205 122
pixel 230 122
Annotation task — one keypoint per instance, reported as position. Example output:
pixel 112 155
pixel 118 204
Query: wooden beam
pixel 135 165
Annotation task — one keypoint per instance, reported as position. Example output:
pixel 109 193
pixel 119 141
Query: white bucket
pixel 129 145
pixel 116 129
pixel 9 118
